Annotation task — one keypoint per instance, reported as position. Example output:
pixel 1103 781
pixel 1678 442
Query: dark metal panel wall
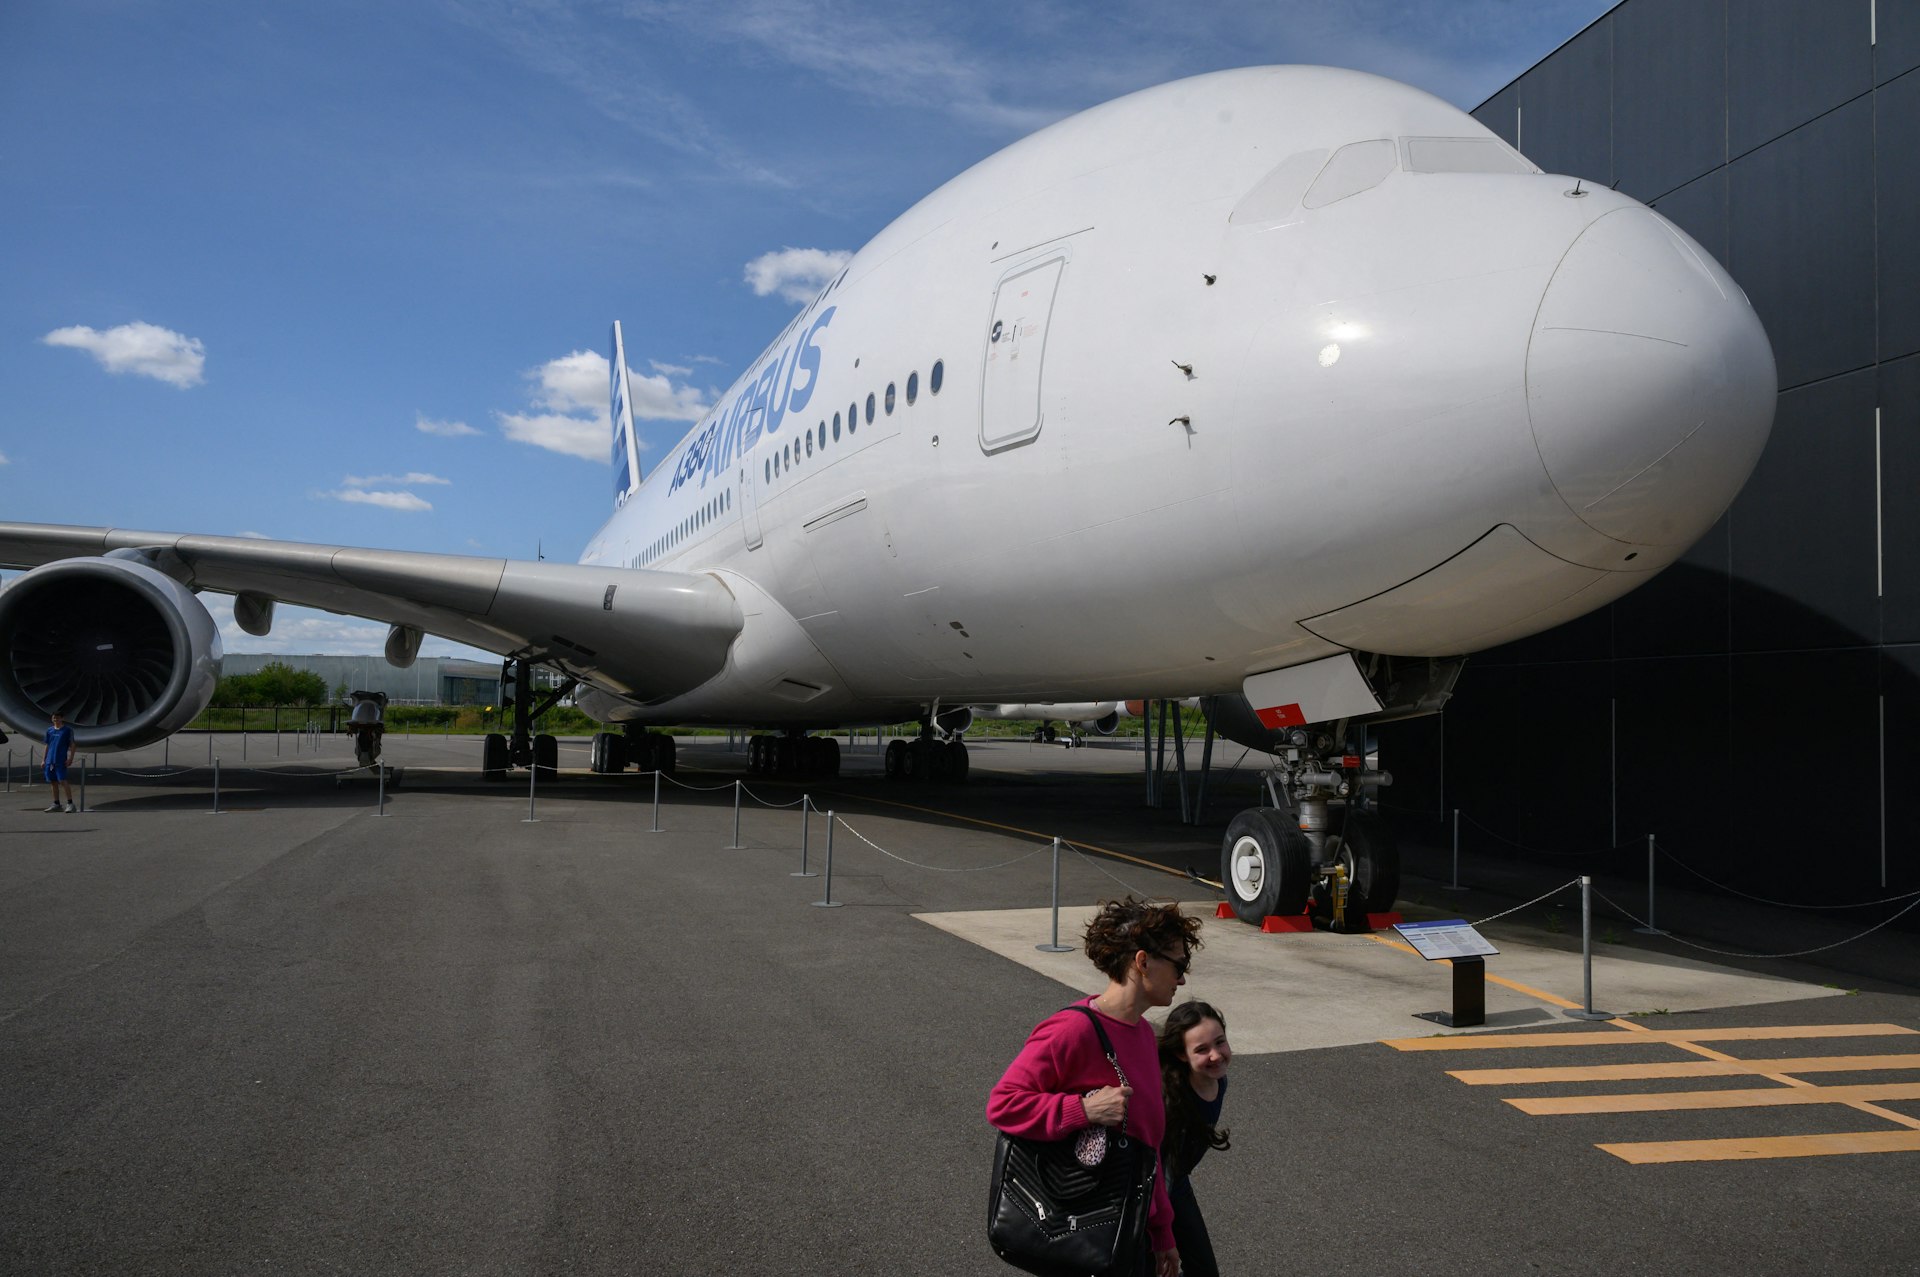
pixel 1669 94
pixel 1898 49
pixel 1897 207
pixel 1781 137
pixel 1789 61
pixel 1800 241
pixel 1559 129
pixel 1900 501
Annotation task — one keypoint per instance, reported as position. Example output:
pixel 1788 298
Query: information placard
pixel 1454 938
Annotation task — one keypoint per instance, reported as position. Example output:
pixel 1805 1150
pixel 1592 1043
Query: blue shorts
pixel 55 771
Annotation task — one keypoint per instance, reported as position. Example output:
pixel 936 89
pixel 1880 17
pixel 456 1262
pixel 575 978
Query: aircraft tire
pixel 896 751
pixel 830 753
pixel 546 754
pixel 956 752
pixel 666 755
pixel 1265 865
pixel 493 756
pixel 1372 857
pixel 910 761
pixel 597 753
pixel 786 760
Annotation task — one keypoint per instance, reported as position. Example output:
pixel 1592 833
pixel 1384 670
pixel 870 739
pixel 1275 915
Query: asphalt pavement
pixel 485 1032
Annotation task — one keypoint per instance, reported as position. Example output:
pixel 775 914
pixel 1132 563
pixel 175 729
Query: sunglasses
pixel 1179 965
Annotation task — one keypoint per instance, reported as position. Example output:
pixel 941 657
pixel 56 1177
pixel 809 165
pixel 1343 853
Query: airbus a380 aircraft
pixel 1287 382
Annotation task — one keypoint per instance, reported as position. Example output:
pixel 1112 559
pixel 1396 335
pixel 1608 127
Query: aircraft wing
pixel 641 634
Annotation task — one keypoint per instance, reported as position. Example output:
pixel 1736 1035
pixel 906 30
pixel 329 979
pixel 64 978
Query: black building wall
pixel 1757 706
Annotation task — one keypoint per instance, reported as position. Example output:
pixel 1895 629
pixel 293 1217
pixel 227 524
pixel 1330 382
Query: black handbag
pixel 1052 1216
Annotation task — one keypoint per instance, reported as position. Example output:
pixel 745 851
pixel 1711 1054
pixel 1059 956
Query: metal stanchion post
pixel 83 784
pixel 736 818
pixel 531 773
pixel 828 902
pixel 656 800
pixel 382 769
pixel 1586 952
pixel 806 803
pixel 166 748
pixel 1055 946
pixel 30 766
pixel 216 786
pixel 1652 928
pixel 9 771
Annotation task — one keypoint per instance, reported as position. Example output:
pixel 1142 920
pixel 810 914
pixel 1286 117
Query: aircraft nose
pixel 1650 382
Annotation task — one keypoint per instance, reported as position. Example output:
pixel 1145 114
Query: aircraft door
pixel 749 509
pixel 1010 404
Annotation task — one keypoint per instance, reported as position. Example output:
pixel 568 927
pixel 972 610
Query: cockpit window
pixel 1462 155
pixel 1355 167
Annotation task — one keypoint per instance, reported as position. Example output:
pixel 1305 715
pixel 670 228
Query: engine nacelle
pixel 126 652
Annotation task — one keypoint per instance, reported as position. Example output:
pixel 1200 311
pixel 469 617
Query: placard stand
pixel 1456 942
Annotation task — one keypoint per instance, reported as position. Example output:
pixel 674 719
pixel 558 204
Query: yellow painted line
pixel 1726 1067
pixel 1515 985
pixel 1753 1148
pixel 1760 1097
pixel 1617 1037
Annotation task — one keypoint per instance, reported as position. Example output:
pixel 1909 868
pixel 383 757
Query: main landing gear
pixel 500 752
pixel 928 757
pixel 794 754
pixel 636 747
pixel 1319 849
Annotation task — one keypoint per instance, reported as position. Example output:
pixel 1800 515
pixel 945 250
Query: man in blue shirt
pixel 59 758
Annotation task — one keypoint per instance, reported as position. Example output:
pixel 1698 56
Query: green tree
pixel 281 684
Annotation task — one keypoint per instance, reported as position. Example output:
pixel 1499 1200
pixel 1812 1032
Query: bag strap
pixel 1106 1045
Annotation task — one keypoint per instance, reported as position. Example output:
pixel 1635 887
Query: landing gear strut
pixel 930 756
pixel 522 748
pixel 1320 848
pixel 794 754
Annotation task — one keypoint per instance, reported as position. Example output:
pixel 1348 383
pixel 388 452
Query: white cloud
pixel 143 349
pixel 796 273
pixel 3 460
pixel 256 536
pixel 412 477
pixel 445 429
pixel 556 432
pixel 385 500
pixel 572 415
pixel 670 370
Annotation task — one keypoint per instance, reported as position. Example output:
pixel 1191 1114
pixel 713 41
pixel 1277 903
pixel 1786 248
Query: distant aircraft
pixel 1288 384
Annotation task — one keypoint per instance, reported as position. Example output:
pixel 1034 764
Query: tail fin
pixel 626 448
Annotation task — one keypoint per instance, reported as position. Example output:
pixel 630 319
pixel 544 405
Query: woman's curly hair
pixel 1123 927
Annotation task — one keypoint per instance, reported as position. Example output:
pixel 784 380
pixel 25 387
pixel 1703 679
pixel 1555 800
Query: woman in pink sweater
pixel 1061 1083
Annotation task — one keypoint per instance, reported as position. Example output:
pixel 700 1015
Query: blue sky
pixel 342 272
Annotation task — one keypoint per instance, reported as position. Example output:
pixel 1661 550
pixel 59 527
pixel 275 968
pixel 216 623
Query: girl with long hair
pixel 1193 1072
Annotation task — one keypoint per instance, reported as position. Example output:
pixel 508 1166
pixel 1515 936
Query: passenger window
pixel 869 409
pixel 853 418
pixel 836 427
pixel 913 387
pixel 768 476
pixel 934 377
pixel 809 443
pixel 889 399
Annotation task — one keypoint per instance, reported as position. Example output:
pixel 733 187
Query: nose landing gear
pixel 1319 849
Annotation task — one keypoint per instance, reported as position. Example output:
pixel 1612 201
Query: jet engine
pixel 126 652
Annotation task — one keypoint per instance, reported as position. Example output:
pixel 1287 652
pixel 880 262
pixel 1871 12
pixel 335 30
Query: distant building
pixel 432 680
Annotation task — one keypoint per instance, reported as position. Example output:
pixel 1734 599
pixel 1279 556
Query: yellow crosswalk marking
pixel 1688 1068
pixel 1759 1097
pixel 1616 1037
pixel 1751 1148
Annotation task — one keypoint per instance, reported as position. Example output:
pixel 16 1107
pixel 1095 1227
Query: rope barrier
pixel 1797 953
pixel 1542 851
pixel 698 789
pixel 1778 904
pixel 942 869
pixel 1536 900
pixel 1145 895
pixel 748 791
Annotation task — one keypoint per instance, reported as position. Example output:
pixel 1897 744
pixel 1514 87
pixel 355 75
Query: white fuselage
pixel 1217 397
